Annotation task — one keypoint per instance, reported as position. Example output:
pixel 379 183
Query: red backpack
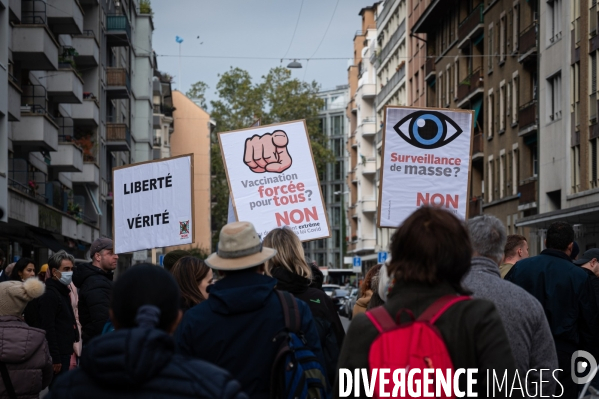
pixel 415 344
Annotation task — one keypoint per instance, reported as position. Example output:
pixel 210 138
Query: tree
pixel 276 98
pixel 197 92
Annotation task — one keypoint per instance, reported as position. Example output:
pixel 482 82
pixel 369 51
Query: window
pixel 535 160
pixel 515 94
pixel 337 125
pixel 502 106
pixel 337 147
pixel 575 169
pixel 491 48
pixel 508 100
pixel 502 174
pixel 441 92
pixel 593 18
pixel 554 16
pixel 417 83
pixel 456 78
pixel 575 93
pixel 323 125
pixel 593 164
pixel 447 85
pixel 502 39
pixel 516 28
pixel 490 180
pixel 555 110
pixel 336 216
pixel 593 92
pixel 338 171
pixel 490 115
pixel 515 174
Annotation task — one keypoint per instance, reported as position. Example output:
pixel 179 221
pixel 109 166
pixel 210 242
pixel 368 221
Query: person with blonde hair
pixel 193 277
pixel 294 275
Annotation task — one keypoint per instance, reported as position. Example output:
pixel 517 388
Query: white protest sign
pixel 153 204
pixel 426 161
pixel 273 180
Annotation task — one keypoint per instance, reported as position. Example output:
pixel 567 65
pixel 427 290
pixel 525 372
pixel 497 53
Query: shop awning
pixel 48 241
pixel 587 214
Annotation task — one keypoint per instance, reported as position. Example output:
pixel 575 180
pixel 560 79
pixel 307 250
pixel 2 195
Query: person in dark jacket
pixel 234 328
pixel 94 281
pixel 589 262
pixel 138 359
pixel 430 253
pixel 293 275
pixel 55 312
pixel 566 294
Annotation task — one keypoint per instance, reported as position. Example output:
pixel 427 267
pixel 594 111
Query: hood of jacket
pixel 19 341
pixel 290 282
pixel 240 293
pixel 127 358
pixel 86 270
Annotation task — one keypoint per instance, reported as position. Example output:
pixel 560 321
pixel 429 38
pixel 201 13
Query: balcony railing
pixel 117 77
pixel 471 22
pixel 118 132
pixel 386 9
pixel 527 114
pixel 528 192
pixel 477 143
pixel 399 32
pixel 528 38
pixel 118 23
pixel 33 12
pixel 470 84
pixel 27 179
pixel 379 136
pixel 391 84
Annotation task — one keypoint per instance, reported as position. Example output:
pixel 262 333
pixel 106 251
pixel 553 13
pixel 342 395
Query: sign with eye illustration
pixel 273 181
pixel 425 161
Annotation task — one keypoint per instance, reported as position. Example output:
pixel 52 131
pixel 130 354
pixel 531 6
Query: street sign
pixel 161 260
pixel 382 257
pixel 357 261
pixel 357 269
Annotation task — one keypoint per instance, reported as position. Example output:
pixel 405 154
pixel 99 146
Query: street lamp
pixel 294 64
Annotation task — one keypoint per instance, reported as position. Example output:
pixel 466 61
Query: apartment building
pixel 163 123
pixel 66 117
pixel 334 125
pixel 361 145
pixel 390 61
pixel 417 56
pixel 567 152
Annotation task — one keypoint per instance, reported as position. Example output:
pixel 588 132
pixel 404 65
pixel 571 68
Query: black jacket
pixel 234 329
pixel 57 318
pixel 566 294
pixel 472 331
pixel 141 363
pixel 95 287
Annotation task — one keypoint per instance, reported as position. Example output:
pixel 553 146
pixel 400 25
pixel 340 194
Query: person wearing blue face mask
pixel 56 314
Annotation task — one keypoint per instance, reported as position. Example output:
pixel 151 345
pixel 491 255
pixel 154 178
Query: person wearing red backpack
pixel 430 253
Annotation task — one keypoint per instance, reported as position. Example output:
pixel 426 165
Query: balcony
pixel 391 44
pixel 527 118
pixel 65 17
pixel 65 86
pixel 368 206
pixel 88 51
pixel 369 167
pixel 35 132
pixel 527 192
pixel 471 27
pixel 117 83
pixel 14 99
pixel 391 85
pixel 157 121
pixel 118 31
pixel 14 7
pixel 34 48
pixel 89 175
pixel 366 91
pixel 367 128
pixel 478 151
pixel 118 137
pixel 470 88
pixel 68 159
pixel 86 114
pixel 475 207
pixel 27 179
pixel 528 44
pixel 429 68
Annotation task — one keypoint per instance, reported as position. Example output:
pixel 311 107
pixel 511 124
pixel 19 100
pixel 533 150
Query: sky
pixel 254 28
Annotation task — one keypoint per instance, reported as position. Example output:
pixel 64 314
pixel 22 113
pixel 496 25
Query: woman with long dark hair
pixel 22 270
pixel 193 277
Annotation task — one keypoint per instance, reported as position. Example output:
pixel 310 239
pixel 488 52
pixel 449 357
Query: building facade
pixel 361 113
pixel 77 81
pixel 329 252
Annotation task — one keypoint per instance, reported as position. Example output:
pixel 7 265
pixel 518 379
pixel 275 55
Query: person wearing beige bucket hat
pixel 234 328
pixel 24 352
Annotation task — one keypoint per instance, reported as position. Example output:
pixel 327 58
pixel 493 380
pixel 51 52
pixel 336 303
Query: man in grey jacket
pixel 522 314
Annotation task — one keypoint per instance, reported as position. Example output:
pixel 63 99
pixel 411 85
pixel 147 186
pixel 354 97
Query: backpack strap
pixel 433 312
pixel 10 390
pixel 290 311
pixel 381 319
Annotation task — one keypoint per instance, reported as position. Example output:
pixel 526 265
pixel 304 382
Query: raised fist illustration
pixel 267 153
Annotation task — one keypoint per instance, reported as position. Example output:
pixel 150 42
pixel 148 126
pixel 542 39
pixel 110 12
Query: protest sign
pixel 153 204
pixel 425 161
pixel 273 181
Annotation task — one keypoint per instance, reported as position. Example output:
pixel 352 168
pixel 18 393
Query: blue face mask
pixel 66 277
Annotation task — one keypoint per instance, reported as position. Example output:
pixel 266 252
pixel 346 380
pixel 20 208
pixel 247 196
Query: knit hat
pixel 14 295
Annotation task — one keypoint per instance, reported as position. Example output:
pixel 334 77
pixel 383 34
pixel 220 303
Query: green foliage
pixel 198 252
pixel 197 92
pixel 276 98
pixel 145 7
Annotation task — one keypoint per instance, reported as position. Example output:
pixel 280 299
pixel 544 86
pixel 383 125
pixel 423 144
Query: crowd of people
pixel 217 327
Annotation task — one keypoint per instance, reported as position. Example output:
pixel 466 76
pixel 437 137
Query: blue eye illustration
pixel 427 129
